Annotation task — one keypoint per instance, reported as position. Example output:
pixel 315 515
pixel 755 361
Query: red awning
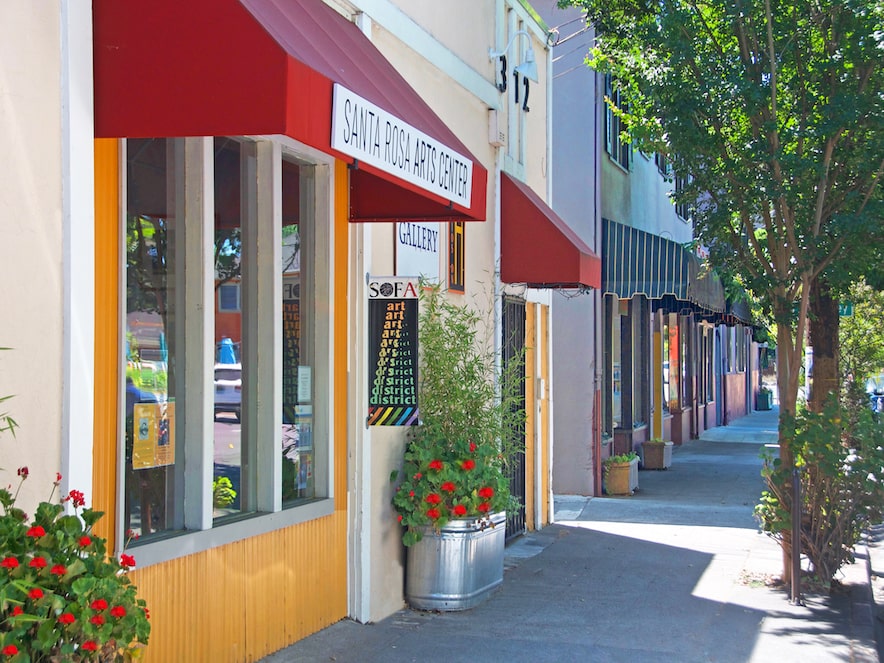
pixel 253 67
pixel 536 245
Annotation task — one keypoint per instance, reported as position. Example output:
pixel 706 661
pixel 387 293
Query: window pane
pixel 298 341
pixel 154 285
pixel 617 367
pixel 228 489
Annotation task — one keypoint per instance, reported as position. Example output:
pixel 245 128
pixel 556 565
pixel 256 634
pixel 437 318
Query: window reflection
pixel 228 480
pixel 298 481
pixel 152 283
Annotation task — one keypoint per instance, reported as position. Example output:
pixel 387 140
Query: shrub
pixel 841 461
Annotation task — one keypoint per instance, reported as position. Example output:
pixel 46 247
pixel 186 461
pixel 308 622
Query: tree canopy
pixel 776 112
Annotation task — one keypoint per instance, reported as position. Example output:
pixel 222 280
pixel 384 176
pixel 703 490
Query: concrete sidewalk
pixel 678 572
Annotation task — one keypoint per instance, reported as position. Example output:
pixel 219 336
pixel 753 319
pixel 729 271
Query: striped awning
pixel 636 262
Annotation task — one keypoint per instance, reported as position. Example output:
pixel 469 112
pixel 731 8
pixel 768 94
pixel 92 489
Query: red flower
pixel 146 613
pixel 89 645
pixel 9 563
pixel 98 620
pixel 433 513
pixel 23 472
pixel 449 487
pixel 418 475
pixel 58 570
pixel 484 507
pixel 36 593
pixel 66 618
pixel 472 447
pixel 127 561
pixel 36 532
pixel 85 541
pixel 76 497
pixel 486 493
pixel 433 498
pixel 99 604
pixel 57 478
pixel 411 493
pixel 459 510
pixel 16 611
pixel 400 518
pixel 468 464
pixel 118 611
pixel 37 563
pixel 10 650
pixel 436 465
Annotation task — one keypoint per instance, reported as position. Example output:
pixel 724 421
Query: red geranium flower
pixel 57 478
pixel 118 611
pixel 99 604
pixel 37 531
pixel 17 610
pixel 459 510
pixel 36 593
pixel 85 541
pixel 418 475
pixel 58 570
pixel 433 498
pixel 89 645
pixel 66 618
pixel 433 513
pixel 486 493
pixel 400 518
pixel 37 563
pixel 468 464
pixel 23 472
pixel 436 465
pixel 484 507
pixel 449 487
pixel 127 561
pixel 9 563
pixel 10 650
pixel 98 620
pixel 472 447
pixel 76 497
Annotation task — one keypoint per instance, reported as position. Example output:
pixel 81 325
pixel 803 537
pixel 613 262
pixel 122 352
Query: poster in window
pixel 392 351
pixel 153 443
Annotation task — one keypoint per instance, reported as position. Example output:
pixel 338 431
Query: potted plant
pixel 618 474
pixel 765 398
pixel 63 597
pixel 452 491
pixel 656 454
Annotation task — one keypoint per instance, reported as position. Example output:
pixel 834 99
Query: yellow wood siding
pixel 107 274
pixel 543 348
pixel 530 412
pixel 245 600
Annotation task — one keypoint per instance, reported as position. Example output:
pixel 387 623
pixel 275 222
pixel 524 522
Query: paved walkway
pixel 678 572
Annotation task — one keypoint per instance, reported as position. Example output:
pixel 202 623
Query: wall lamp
pixel 528 68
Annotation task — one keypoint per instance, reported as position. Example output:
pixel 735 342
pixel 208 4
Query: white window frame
pixel 199 532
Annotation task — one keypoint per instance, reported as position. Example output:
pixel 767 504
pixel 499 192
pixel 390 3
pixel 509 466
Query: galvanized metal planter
pixel 458 567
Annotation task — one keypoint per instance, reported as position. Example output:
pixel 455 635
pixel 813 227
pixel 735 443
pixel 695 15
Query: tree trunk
pixel 823 325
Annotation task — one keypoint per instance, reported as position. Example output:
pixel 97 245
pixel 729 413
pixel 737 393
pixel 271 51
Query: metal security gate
pixel 513 347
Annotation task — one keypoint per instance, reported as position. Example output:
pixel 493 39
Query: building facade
pixel 202 226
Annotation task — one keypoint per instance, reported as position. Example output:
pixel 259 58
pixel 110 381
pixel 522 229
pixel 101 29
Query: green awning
pixel 636 262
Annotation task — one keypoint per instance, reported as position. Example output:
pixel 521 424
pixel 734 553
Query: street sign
pixel 845 309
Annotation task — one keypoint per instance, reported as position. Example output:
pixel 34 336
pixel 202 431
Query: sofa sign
pixel 392 351
pixel 370 134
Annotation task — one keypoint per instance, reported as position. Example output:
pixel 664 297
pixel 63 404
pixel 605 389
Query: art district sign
pixel 392 351
pixel 372 135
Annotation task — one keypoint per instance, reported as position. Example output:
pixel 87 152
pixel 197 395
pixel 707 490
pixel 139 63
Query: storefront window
pixel 298 480
pixel 154 284
pixel 238 392
pixel 674 363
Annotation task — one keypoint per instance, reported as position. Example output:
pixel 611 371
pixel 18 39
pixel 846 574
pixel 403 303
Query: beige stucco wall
pixel 31 279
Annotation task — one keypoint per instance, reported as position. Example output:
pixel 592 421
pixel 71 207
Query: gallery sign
pixel 392 351
pixel 370 134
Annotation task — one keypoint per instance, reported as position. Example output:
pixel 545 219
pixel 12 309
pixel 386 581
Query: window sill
pixel 188 542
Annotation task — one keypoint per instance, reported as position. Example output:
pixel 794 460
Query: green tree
pixel 775 111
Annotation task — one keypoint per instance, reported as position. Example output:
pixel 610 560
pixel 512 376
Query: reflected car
pixel 228 389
